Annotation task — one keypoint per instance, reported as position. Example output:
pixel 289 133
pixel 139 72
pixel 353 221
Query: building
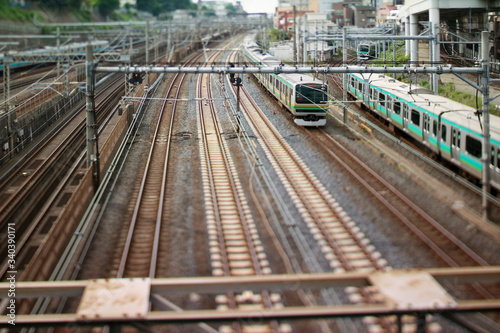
pixel 132 3
pixel 364 16
pixel 384 13
pixel 322 6
pixel 284 18
pixel 343 12
pixel 317 24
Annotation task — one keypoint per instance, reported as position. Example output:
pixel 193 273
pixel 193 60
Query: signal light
pixel 136 78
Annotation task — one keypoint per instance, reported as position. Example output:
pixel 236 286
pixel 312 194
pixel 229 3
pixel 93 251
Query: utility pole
pixel 147 42
pixel 92 153
pixel 58 41
pixel 11 114
pixel 485 90
pixel 295 35
pixel 344 75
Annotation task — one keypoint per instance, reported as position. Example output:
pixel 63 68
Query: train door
pixel 382 103
pixel 495 165
pixel 456 137
pixel 426 128
pixel 396 112
pixel 406 116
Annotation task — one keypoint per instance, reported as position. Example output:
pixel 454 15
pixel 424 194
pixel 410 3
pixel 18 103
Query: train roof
pixel 458 113
pixel 300 78
pixel 268 60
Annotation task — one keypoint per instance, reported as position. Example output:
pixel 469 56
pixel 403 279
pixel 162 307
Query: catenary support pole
pixel 414 43
pixel 92 155
pixel 486 120
pixel 344 75
pixel 434 43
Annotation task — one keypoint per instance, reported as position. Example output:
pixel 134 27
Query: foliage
pixel 82 15
pixel 276 35
pixel 448 90
pixel 58 4
pixel 107 7
pixel 156 7
pixel 208 11
pixel 230 9
pixel 18 14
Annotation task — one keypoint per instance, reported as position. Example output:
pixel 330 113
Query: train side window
pixel 397 107
pixel 492 159
pixel 473 146
pixel 443 132
pixel 498 158
pixel 415 117
pixel 459 138
pixel 381 98
pixel 453 137
pixel 434 127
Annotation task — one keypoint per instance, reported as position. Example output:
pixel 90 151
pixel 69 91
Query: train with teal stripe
pixel 449 129
pixel 303 95
pixel 48 54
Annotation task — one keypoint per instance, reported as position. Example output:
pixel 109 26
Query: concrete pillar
pixel 434 21
pixel 407 33
pixel 436 57
pixel 414 43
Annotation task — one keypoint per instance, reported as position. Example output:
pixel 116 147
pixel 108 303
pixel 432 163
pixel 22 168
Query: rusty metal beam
pixel 257 283
pixel 289 313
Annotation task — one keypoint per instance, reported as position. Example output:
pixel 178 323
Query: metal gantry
pixel 482 71
pixel 119 302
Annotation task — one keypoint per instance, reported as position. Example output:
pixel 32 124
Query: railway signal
pixel 136 78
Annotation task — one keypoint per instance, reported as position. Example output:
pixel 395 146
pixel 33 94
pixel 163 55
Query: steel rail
pixel 215 203
pixel 243 221
pixel 339 253
pixel 350 162
pixel 157 154
pixel 36 179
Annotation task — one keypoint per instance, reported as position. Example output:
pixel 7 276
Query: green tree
pixel 230 9
pixel 157 7
pixel 107 7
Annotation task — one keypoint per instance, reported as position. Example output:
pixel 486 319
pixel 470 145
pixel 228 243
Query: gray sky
pixel 259 6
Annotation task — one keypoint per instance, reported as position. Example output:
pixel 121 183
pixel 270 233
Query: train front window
pixel 310 94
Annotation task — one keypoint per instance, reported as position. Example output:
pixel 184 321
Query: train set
pixel 449 129
pixel 50 53
pixel 304 96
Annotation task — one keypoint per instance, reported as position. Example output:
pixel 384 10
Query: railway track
pixel 235 245
pixel 342 244
pixel 443 243
pixel 447 247
pixel 36 185
pixel 143 236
